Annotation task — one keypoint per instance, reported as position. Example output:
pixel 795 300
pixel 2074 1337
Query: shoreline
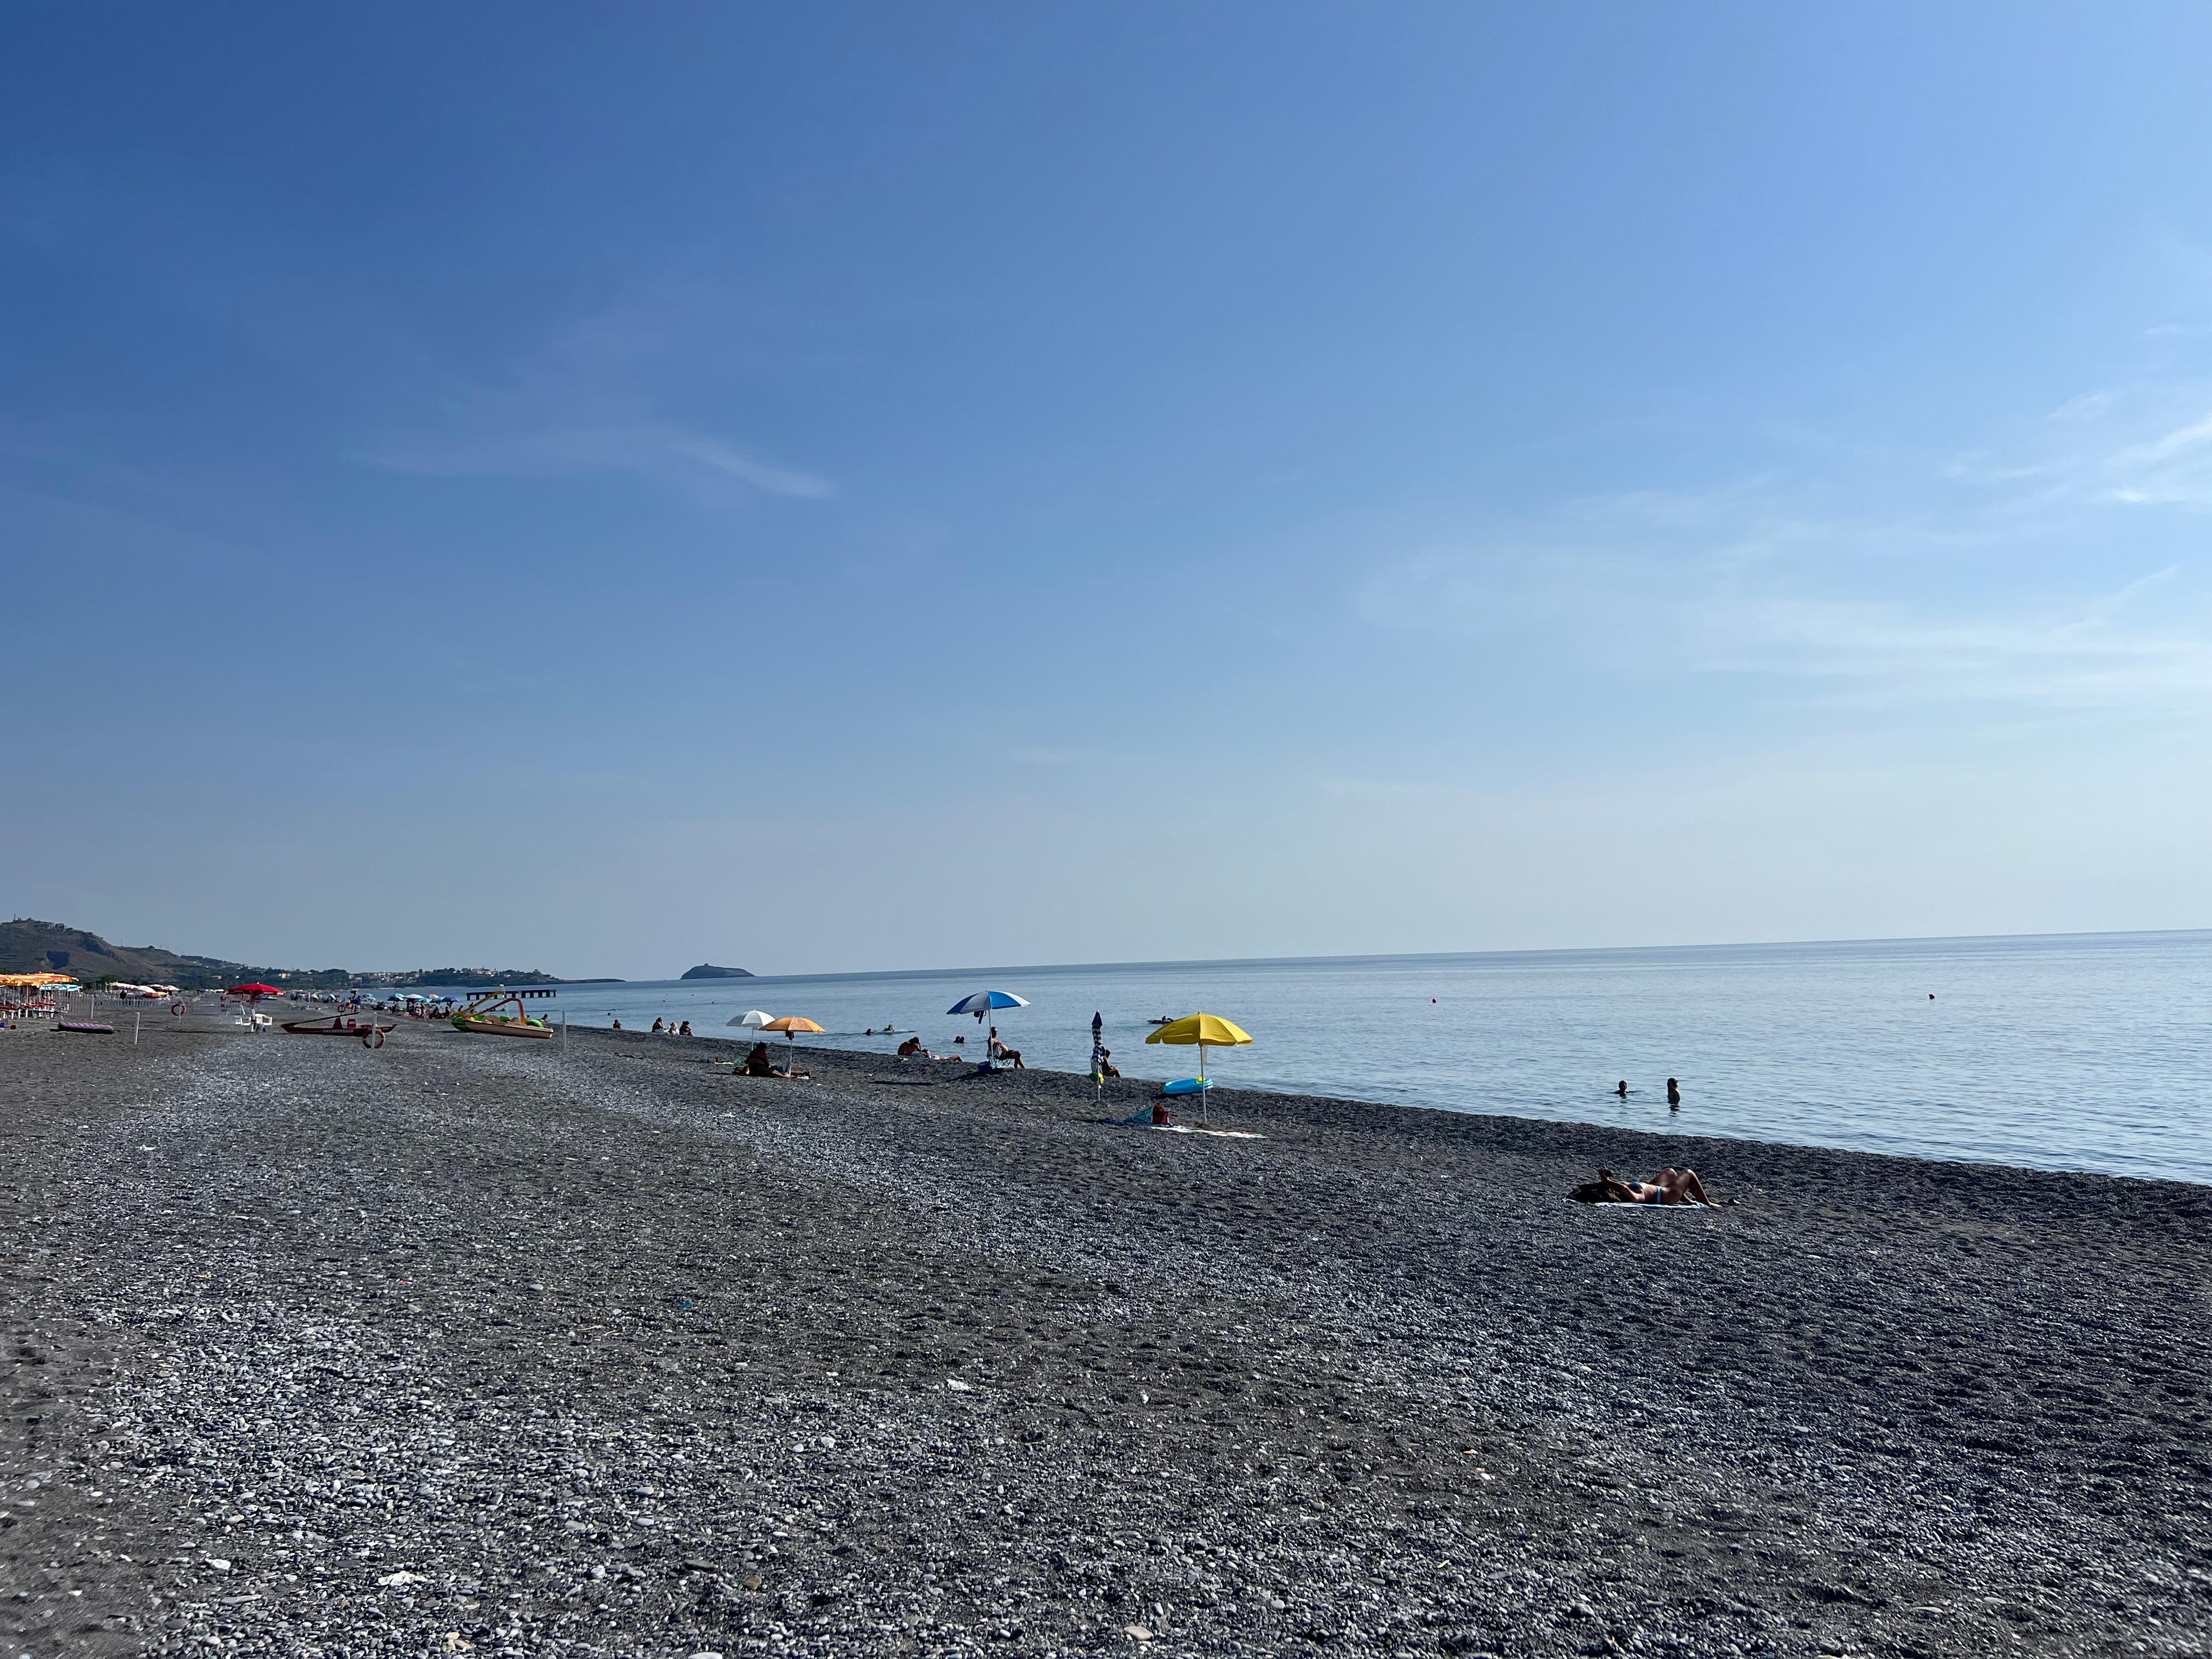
pixel 1079 1083
pixel 622 1353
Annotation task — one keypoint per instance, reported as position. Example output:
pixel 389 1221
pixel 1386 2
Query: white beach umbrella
pixel 752 1018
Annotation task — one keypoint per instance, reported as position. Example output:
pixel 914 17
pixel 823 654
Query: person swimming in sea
pixel 1621 1089
pixel 1674 1095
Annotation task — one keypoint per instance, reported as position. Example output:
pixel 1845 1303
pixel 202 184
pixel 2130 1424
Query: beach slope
pixel 470 1345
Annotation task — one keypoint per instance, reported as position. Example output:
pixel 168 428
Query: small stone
pixel 1139 1632
pixel 218 1564
pixel 958 1387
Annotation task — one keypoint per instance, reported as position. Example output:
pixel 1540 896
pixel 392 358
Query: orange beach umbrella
pixel 792 1025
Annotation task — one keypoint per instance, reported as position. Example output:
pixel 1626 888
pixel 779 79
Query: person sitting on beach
pixel 999 1051
pixel 686 1032
pixel 656 1025
pixel 758 1063
pixel 1672 1186
pixel 1106 1066
pixel 617 1025
pixel 912 1049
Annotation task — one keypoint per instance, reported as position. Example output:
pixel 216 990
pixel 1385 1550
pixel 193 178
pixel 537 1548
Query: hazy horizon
pixel 928 969
pixel 1083 485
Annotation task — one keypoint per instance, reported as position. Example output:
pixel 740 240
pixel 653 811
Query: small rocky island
pixel 708 971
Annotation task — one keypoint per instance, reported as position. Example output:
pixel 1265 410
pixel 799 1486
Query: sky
pixel 825 488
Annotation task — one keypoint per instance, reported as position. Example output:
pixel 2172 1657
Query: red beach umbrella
pixel 254 991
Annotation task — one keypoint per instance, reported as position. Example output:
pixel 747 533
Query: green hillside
pixel 29 946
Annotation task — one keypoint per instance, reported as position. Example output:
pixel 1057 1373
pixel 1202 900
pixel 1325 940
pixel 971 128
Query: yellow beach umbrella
pixel 791 1026
pixel 1207 1031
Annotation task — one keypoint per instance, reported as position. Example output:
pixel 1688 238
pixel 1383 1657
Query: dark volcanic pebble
pixel 464 1346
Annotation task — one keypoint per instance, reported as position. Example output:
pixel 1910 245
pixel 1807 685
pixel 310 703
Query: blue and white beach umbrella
pixel 983 1001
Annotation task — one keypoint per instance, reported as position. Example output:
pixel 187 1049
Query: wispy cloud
pixel 2097 650
pixel 645 449
pixel 1973 602
pixel 2122 446
pixel 605 394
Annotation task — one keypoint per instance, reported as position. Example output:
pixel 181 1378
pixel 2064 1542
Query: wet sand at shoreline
pixel 467 1346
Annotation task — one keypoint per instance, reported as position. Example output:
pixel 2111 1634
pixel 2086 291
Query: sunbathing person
pixel 758 1063
pixel 1673 1186
pixel 912 1049
pixel 999 1051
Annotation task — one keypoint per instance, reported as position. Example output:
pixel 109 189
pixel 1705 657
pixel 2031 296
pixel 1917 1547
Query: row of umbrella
pixel 1202 1031
pixel 790 1025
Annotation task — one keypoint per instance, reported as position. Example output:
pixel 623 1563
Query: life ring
pixel 176 1007
pixel 371 1036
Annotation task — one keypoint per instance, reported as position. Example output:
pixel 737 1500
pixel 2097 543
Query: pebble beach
pixel 478 1345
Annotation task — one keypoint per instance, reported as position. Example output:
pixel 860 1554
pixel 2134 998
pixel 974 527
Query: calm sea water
pixel 2080 1051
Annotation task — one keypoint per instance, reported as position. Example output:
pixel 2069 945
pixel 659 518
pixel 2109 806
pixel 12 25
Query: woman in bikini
pixel 1672 1187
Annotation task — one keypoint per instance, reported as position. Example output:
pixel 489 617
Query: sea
pixel 2068 1052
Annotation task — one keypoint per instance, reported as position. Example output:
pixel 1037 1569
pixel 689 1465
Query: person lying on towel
pixel 1672 1186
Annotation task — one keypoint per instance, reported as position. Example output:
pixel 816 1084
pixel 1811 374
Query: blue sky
pixel 823 488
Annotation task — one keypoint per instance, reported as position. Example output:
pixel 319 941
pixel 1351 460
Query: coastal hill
pixel 708 971
pixel 30 947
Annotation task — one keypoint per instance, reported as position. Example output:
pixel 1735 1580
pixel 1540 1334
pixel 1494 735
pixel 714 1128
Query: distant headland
pixel 30 947
pixel 708 971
